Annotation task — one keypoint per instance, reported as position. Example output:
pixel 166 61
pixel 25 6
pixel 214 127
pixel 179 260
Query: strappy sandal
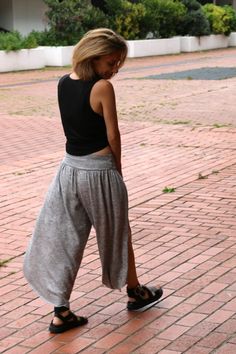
pixel 70 321
pixel 145 297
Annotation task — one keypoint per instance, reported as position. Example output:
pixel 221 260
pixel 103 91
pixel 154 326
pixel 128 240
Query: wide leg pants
pixel 86 191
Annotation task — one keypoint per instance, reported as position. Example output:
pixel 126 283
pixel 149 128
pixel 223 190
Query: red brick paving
pixel 185 240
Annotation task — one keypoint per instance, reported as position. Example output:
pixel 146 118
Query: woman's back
pixel 84 129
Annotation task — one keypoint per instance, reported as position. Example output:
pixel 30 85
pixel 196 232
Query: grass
pixel 19 173
pixel 218 125
pixel 168 190
pixel 213 172
pixel 177 122
pixel 200 176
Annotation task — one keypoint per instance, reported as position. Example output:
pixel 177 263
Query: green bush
pixel 162 18
pixel 69 19
pixel 139 19
pixel 93 18
pixel 125 17
pixel 10 41
pixel 15 41
pixel 194 23
pixel 222 19
pixel 231 13
pixel 29 41
pixel 192 5
pixel 41 37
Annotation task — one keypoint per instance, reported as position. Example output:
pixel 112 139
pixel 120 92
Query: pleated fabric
pixel 86 191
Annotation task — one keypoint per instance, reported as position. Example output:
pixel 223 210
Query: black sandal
pixel 70 321
pixel 142 301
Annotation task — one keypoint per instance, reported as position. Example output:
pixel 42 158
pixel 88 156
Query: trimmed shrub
pixel 68 20
pixel 93 18
pixel 125 17
pixel 192 5
pixel 10 41
pixel 29 41
pixel 15 41
pixel 232 17
pixel 222 19
pixel 162 18
pixel 195 22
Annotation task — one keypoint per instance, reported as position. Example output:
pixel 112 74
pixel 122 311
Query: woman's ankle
pixel 61 309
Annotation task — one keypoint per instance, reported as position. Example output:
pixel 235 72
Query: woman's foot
pixel 143 297
pixel 63 321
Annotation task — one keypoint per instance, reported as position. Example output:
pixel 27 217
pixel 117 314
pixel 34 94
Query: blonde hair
pixel 96 43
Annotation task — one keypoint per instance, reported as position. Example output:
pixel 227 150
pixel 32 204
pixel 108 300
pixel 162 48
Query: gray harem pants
pixel 86 191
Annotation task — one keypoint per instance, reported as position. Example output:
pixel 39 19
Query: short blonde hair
pixel 96 43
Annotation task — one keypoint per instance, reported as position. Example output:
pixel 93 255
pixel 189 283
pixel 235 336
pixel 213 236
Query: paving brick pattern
pixel 177 134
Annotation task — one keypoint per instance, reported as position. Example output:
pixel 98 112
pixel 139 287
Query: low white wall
pixel 194 44
pixel 24 59
pixel 232 39
pixel 150 47
pixel 58 56
pixel 40 57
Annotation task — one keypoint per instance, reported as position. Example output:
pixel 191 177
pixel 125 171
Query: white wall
pixel 29 15
pixel 6 15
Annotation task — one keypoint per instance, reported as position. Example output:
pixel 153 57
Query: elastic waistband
pixel 90 162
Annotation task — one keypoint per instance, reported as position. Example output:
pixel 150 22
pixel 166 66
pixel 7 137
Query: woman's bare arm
pixel 103 95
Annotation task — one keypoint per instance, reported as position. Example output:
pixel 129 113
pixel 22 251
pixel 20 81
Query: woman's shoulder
pixel 103 86
pixel 62 79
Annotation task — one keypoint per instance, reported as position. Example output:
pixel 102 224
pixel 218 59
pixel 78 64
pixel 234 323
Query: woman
pixel 88 189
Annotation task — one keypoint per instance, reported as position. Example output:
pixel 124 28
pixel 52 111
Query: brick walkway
pixel 177 134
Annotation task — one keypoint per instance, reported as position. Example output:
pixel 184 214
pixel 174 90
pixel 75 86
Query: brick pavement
pixel 179 134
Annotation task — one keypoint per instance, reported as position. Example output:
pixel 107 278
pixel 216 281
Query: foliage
pixel 29 41
pixel 162 18
pixel 191 5
pixel 68 20
pixel 45 38
pixel 222 19
pixel 15 41
pixel 125 17
pixel 194 23
pixel 10 41
pixel 93 18
pixel 168 190
pixel 231 13
pixel 203 2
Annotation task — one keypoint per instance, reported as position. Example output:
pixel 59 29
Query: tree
pixel 194 23
pixel 70 19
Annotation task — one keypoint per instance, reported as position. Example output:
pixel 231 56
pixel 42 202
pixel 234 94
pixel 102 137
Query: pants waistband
pixel 90 162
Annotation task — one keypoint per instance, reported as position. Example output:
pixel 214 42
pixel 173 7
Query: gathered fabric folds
pixel 86 191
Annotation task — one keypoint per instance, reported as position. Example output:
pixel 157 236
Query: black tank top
pixel 84 129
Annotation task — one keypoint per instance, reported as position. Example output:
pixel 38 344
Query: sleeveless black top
pixel 84 129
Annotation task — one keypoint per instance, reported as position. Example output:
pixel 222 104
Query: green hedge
pixel 125 17
pixel 222 19
pixel 162 18
pixel 194 23
pixel 15 41
pixel 69 20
